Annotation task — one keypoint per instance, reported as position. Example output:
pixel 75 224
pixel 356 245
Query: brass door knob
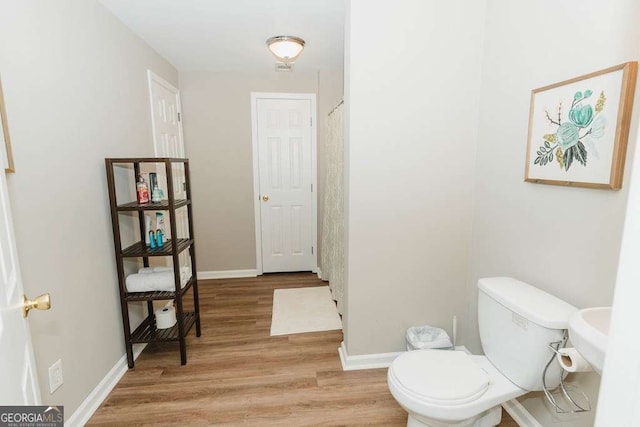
pixel 265 198
pixel 43 302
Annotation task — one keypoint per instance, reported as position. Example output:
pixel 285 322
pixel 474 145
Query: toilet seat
pixel 410 394
pixel 443 378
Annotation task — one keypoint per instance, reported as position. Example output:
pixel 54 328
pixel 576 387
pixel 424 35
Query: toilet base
pixel 489 418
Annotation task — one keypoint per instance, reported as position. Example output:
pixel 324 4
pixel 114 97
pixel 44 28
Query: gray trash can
pixel 423 337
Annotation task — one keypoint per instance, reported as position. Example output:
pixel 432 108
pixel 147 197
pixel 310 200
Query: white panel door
pixel 168 142
pixel 165 110
pixel 284 136
pixel 19 385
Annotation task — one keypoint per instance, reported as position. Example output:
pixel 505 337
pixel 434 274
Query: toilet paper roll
pixel 572 361
pixel 165 317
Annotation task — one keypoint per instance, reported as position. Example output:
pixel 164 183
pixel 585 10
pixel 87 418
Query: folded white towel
pixel 161 269
pixel 156 281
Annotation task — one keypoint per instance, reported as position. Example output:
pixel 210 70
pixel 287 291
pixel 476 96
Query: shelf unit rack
pixel 147 332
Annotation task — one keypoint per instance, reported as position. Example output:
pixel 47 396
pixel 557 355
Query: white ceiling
pixel 230 35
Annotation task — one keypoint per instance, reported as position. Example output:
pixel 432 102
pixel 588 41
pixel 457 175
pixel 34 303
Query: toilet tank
pixel 517 322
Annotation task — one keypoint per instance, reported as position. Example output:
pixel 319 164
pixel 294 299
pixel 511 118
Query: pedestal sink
pixel 589 333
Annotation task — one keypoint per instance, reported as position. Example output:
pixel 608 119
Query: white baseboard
pixel 520 414
pixel 372 361
pixel 365 361
pixel 93 401
pixel 228 274
pixel 237 274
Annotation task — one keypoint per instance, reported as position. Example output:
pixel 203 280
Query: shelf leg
pixel 192 252
pixel 176 262
pixel 129 347
pixel 127 333
pixel 183 351
pixel 196 299
pixel 181 331
pixel 150 316
pixel 117 245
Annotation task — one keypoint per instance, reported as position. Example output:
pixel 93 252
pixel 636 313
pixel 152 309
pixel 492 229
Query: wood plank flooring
pixel 237 374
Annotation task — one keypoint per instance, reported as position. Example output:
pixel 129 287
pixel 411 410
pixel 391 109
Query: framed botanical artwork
pixel 4 134
pixel 578 129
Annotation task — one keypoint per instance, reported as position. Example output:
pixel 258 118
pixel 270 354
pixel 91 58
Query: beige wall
pixel 412 73
pixel 75 87
pixel 217 130
pixel 563 240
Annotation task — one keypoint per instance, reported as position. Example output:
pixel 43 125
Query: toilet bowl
pixel 449 388
pixel 517 322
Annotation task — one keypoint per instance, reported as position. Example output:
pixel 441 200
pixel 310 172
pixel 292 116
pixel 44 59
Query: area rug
pixel 303 310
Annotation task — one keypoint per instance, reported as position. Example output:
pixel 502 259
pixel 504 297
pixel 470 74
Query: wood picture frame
pixel 579 129
pixel 4 134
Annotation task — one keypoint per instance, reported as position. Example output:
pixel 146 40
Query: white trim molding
pixel 93 401
pixel 226 274
pixel 372 361
pixel 365 361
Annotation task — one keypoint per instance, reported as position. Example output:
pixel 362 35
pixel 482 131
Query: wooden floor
pixel 238 374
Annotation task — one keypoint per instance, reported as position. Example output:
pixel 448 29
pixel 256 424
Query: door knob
pixel 265 198
pixel 43 302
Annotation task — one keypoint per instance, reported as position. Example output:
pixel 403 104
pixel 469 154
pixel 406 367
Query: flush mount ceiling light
pixel 285 48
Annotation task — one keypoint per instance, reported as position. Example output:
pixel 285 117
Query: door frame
pixel 153 77
pixel 255 96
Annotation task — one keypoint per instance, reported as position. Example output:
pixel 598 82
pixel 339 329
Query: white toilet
pixel 451 388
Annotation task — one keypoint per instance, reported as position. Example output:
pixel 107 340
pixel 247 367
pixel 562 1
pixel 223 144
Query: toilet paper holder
pixel 566 389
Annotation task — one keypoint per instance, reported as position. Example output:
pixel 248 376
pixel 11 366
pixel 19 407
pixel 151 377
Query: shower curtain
pixel 332 239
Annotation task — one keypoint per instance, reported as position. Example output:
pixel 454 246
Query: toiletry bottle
pixel 160 224
pixel 142 190
pixel 152 239
pixel 153 181
pixel 147 228
pixel 156 194
pixel 159 238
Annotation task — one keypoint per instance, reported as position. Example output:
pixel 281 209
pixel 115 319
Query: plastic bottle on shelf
pixel 157 194
pixel 142 190
pixel 147 228
pixel 152 239
pixel 160 224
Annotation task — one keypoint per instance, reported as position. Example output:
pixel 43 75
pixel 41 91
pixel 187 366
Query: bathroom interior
pixel 437 99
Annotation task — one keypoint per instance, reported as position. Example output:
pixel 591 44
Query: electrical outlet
pixel 55 376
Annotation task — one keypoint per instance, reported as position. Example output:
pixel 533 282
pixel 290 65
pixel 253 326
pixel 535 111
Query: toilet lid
pixel 443 377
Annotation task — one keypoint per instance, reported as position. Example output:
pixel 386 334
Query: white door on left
pixel 19 384
pixel 169 142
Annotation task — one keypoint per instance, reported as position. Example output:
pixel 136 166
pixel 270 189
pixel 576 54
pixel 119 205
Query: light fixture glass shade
pixel 285 48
